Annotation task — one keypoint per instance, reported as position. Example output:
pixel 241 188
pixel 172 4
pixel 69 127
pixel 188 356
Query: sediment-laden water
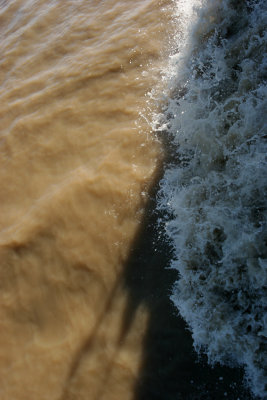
pixel 76 164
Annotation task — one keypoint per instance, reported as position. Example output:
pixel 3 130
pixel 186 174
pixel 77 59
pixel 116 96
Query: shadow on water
pixel 170 370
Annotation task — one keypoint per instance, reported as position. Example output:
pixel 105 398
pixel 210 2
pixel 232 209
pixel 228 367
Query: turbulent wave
pixel 215 185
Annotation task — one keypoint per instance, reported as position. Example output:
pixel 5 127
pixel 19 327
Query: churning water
pixel 215 185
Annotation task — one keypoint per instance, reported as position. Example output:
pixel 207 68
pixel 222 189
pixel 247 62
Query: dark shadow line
pixel 170 369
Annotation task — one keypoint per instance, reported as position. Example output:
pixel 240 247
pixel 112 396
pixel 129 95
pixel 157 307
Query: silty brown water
pixel 76 164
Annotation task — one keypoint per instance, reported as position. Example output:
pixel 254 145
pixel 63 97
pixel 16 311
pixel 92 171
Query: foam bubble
pixel 216 186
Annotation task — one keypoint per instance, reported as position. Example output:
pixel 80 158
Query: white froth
pixel 216 187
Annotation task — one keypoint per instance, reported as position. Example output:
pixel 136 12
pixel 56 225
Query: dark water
pixel 171 368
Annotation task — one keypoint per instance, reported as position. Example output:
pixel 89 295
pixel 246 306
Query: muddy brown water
pixel 77 160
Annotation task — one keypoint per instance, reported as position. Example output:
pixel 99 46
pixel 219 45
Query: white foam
pixel 216 189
